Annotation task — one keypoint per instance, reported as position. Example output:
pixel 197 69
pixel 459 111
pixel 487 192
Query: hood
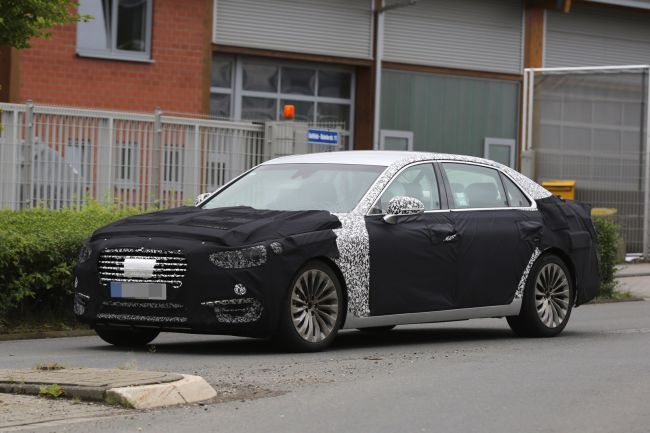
pixel 231 227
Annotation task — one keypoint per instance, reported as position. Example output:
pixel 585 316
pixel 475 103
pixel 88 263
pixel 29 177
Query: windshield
pixel 332 187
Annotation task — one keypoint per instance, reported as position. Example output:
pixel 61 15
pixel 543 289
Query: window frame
pixel 393 133
pixel 500 173
pixel 442 188
pixel 493 141
pixel 237 92
pixel 113 53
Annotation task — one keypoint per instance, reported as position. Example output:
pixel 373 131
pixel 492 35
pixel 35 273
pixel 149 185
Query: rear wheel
pixel 127 337
pixel 547 301
pixel 312 310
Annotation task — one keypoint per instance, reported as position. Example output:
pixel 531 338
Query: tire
pixel 127 337
pixel 312 309
pixel 548 299
pixel 377 329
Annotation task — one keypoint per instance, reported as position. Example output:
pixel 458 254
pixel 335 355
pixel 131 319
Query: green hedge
pixel 608 234
pixel 38 251
pixel 39 247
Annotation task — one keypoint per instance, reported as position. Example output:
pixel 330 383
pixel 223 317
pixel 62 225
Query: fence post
pixel 27 187
pixel 9 160
pixel 154 180
pixel 105 167
pixel 646 139
pixel 193 171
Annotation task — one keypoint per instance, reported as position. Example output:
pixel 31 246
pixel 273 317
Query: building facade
pixel 451 71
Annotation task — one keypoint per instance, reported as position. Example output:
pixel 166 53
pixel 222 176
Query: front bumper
pixel 210 300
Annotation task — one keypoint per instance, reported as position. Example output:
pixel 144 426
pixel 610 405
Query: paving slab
pixel 26 412
pixel 633 270
pixel 639 286
pixel 131 388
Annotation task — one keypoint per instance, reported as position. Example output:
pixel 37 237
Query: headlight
pixel 84 253
pixel 240 259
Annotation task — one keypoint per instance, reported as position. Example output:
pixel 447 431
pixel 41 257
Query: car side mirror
pixel 201 197
pixel 402 206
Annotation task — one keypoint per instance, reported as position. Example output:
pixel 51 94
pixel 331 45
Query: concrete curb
pixel 639 274
pixel 131 389
pixel 190 389
pixel 46 334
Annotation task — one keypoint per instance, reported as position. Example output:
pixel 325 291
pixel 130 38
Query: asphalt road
pixel 472 376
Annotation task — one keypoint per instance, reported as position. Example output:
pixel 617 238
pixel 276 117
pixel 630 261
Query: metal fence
pixel 591 125
pixel 62 157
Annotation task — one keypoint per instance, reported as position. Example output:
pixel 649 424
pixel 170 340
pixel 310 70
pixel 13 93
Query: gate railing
pixel 62 157
pixel 591 124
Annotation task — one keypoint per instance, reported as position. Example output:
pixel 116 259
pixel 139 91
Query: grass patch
pixel 50 366
pixel 51 391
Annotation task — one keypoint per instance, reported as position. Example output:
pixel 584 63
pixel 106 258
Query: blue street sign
pixel 323 136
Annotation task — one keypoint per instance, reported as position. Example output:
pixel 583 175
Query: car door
pixel 497 228
pixel 413 262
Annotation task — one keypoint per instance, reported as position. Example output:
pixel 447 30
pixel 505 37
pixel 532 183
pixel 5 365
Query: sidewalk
pixel 133 389
pixel 635 278
pixel 633 270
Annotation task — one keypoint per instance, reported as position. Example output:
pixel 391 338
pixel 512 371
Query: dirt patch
pixel 229 392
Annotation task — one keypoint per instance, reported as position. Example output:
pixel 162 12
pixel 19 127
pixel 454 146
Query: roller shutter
pixel 331 27
pixel 591 36
pixel 471 34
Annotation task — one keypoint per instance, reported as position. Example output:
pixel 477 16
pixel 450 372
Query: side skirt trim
pixel 434 316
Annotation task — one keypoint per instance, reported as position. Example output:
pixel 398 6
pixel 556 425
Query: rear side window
pixel 516 198
pixel 473 186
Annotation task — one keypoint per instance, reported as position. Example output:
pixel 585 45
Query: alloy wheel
pixel 552 295
pixel 314 305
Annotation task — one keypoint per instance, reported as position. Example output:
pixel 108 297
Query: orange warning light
pixel 289 112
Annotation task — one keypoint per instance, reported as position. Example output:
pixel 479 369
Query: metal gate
pixel 591 124
pixel 59 157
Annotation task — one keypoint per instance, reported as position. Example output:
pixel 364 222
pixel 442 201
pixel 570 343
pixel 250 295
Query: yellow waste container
pixel 565 189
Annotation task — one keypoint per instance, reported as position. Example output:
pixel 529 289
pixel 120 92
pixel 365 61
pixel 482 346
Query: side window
pixel 516 198
pixel 473 186
pixel 120 29
pixel 418 182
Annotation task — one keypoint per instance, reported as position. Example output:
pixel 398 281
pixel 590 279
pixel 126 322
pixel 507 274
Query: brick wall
pixel 52 73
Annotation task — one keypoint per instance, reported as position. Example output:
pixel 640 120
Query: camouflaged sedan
pixel 300 247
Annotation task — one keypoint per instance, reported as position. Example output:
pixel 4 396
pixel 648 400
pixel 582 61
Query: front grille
pixel 170 266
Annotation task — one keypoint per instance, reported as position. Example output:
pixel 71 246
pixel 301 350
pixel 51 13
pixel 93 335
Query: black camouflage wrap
pixel 210 299
pixel 568 228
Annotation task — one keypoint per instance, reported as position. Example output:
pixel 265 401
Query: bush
pixel 38 252
pixel 608 234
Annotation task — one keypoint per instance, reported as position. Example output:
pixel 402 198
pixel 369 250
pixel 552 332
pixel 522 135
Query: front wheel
pixel 127 337
pixel 312 311
pixel 547 301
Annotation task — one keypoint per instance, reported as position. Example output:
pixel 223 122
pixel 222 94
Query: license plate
pixel 157 291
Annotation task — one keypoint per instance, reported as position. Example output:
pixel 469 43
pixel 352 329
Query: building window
pixel 121 29
pixel 247 88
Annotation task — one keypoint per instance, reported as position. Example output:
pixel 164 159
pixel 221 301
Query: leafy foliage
pixel 21 20
pixel 38 252
pixel 51 391
pixel 608 234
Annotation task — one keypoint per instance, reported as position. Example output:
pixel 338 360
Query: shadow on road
pixel 347 340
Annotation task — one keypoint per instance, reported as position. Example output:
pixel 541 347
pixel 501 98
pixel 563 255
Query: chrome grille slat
pixel 161 270
pixel 170 266
pixel 131 256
